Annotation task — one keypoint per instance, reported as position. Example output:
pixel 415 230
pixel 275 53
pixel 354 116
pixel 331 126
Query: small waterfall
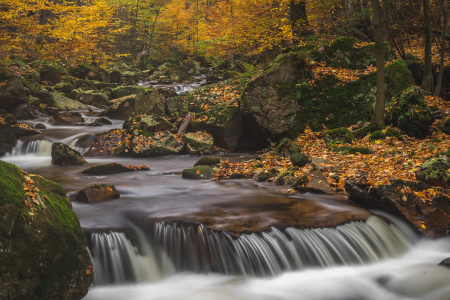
pixel 38 147
pixel 202 250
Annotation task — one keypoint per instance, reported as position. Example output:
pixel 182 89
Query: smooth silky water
pixel 138 255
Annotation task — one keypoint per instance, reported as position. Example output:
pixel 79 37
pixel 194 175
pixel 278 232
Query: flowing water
pixel 143 245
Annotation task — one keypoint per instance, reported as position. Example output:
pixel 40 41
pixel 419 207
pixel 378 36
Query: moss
pixel 147 91
pixel 146 133
pixel 198 172
pixel 208 161
pixel 11 188
pixel 257 165
pixel 299 159
pixel 286 148
pixel 397 78
pixel 33 88
pixel 338 136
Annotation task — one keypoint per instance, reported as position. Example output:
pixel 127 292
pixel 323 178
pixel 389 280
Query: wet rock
pixel 92 98
pixel 313 182
pixel 21 131
pixel 398 198
pixel 299 159
pixel 445 263
pixel 127 90
pixel 237 175
pixel 97 193
pixel 208 161
pixel 286 148
pixel 198 172
pixel 51 74
pixel 12 93
pixel 7 118
pixel 64 155
pixel 338 136
pixel 434 172
pixel 7 138
pixel 113 168
pixel 104 121
pixel 107 143
pixel 40 126
pixel 150 101
pixel 95 124
pixel 176 106
pixel 286 177
pixel 43 254
pixel 55 99
pixel 25 112
pixel 121 109
pixel 198 143
pixel 151 123
pixel 67 118
pixel 262 178
pixel 155 144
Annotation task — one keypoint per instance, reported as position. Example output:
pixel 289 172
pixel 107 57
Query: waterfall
pixel 38 147
pixel 202 250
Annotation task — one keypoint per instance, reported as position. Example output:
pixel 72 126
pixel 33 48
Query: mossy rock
pixel 106 169
pixel 43 254
pixel 123 91
pixel 286 148
pixel 161 143
pixel 257 165
pixel 198 172
pixel 441 163
pixel 286 177
pixel 382 134
pixel 340 53
pixel 352 150
pixel 64 155
pixel 92 98
pixel 434 172
pixel 55 99
pixel 198 143
pixel 338 136
pixel 208 161
pixel 121 109
pixel 299 159
pixel 80 71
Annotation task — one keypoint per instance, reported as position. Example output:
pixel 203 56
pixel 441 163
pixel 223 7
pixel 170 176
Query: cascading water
pixel 201 250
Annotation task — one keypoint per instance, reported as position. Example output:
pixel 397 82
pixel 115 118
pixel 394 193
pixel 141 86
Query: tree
pixel 444 5
pixel 427 75
pixel 297 16
pixel 380 100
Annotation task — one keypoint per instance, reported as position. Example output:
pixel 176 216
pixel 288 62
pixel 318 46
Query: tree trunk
pixel 380 100
pixel 444 32
pixel 427 75
pixel 297 16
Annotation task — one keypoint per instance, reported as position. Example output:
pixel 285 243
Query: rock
pixel 154 144
pixel 321 164
pixel 61 102
pixel 176 106
pixel 103 121
pixel 414 124
pixel 65 87
pixel 198 172
pixel 299 159
pixel 92 98
pixel 434 172
pixel 150 123
pixel 150 101
pixel 21 130
pixel 445 263
pixel 198 143
pixel 208 161
pixel 64 155
pixel 25 112
pixel 121 109
pixel 286 177
pixel 67 118
pixel 107 143
pixel 114 77
pixel 237 175
pixel 42 251
pixel 7 118
pixel 382 134
pixel 286 148
pixel 40 126
pixel 113 168
pixel 80 71
pixel 7 138
pixel 313 182
pixel 398 198
pixel 97 193
pixel 51 74
pixel 123 91
pixel 338 136
pixel 12 93
pixel 262 178
pixel 95 124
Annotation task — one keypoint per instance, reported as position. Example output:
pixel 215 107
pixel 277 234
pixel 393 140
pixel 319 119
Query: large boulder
pixel 67 118
pixel 80 71
pixel 150 101
pixel 424 207
pixel 313 182
pixel 97 193
pixel 208 161
pixel 176 106
pixel 106 143
pixel 122 108
pixel 7 138
pixel 154 144
pixel 50 74
pixel 113 168
pixel 64 155
pixel 21 130
pixel 126 90
pixel 435 172
pixel 42 251
pixel 198 143
pixel 148 123
pixel 12 93
pixel 338 136
pixel 92 98
pixel 410 112
pixel 55 99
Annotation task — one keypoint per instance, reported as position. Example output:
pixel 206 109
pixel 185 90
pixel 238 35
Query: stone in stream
pixel 20 130
pixel 208 161
pixel 121 108
pixel 40 126
pixel 147 143
pixel 64 155
pixel 434 172
pixel 198 143
pixel 150 101
pixel 150 123
pixel 42 251
pixel 97 193
pixel 406 199
pixel 7 138
pixel 113 168
pixel 286 177
pixel 445 263
pixel 108 143
pixel 67 118
pixel 104 121
pixel 198 172
pixel 55 99
pixel 92 98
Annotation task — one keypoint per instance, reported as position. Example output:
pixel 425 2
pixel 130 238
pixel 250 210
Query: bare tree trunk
pixel 444 32
pixel 185 124
pixel 380 100
pixel 427 75
pixel 297 16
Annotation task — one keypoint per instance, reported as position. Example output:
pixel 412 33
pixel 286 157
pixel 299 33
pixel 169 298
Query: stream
pixel 138 254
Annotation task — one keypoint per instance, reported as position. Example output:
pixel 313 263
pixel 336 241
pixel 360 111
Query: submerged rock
pixel 64 155
pixel 198 172
pixel 42 251
pixel 208 161
pixel 113 168
pixel 401 198
pixel 97 193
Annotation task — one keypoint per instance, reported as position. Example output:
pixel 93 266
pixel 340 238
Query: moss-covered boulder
pixel 12 93
pixel 151 123
pixel 150 101
pixel 67 118
pixel 21 130
pixel 146 143
pixel 7 138
pixel 97 193
pixel 107 169
pixel 64 155
pixel 299 159
pixel 126 90
pixel 286 148
pixel 382 134
pixel 42 251
pixel 80 71
pixel 338 136
pixel 109 143
pixel 208 161
pixel 176 106
pixel 55 99
pixel 286 177
pixel 198 143
pixel 435 172
pixel 410 112
pixel 50 73
pixel 121 108
pixel 92 98
pixel 64 87
pixel 198 172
